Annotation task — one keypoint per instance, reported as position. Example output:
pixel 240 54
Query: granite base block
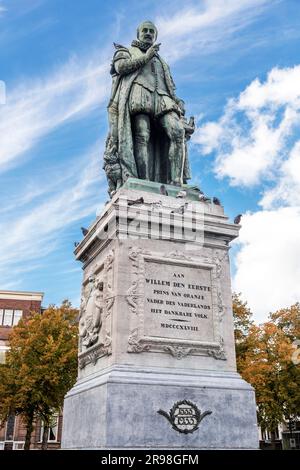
pixel 118 409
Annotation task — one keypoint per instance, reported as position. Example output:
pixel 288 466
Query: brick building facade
pixel 13 306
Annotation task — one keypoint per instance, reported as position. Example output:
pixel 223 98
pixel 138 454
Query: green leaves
pixel 41 365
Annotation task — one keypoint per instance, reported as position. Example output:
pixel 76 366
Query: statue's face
pixel 147 33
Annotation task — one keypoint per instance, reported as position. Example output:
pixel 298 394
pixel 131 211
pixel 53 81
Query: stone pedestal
pixel 156 358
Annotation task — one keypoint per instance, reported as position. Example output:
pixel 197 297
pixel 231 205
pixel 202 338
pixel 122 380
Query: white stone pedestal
pixel 156 358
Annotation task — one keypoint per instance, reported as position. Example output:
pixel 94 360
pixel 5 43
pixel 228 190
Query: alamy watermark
pixel 2 92
pixel 138 219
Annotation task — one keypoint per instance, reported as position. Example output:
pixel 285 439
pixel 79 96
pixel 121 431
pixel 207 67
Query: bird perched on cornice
pixel 84 231
pixel 237 219
pixel 163 190
pixel 203 198
pixel 76 244
pixel 216 201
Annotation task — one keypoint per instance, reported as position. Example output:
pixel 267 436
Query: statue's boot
pixel 142 161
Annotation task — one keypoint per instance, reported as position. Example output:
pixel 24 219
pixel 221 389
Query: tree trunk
pixel 45 437
pixel 29 430
pixel 273 439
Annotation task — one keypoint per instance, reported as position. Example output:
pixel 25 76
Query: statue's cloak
pixel 119 102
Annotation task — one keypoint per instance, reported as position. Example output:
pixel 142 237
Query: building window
pixel 9 317
pixel 53 429
pixel 3 350
pixel 18 445
pixel 10 428
pixel 17 316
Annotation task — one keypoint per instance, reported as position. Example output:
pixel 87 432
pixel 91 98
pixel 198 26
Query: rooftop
pixel 20 295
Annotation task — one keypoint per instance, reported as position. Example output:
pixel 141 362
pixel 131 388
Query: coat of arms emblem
pixel 185 416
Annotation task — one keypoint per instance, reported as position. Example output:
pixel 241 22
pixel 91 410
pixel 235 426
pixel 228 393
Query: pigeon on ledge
pixel 163 190
pixel 84 231
pixel 237 219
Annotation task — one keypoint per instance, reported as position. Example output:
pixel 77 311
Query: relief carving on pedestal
pixel 91 310
pixel 178 351
pixel 95 313
pixel 218 259
pixel 109 298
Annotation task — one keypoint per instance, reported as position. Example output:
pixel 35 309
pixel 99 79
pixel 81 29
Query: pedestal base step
pixel 124 408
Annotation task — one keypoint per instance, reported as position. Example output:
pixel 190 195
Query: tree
pixel 263 367
pixel 41 366
pixel 242 324
pixel 288 321
pixel 264 359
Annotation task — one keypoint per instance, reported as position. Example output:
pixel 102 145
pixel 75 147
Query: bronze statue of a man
pixel 148 131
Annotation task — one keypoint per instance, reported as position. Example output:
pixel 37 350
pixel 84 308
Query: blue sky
pixel 236 65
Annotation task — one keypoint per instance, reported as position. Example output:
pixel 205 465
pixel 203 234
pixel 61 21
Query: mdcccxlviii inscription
pixel 178 301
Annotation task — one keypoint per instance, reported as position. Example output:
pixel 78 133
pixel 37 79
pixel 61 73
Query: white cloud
pixel 37 107
pixel 35 232
pixel 252 138
pixel 257 141
pixel 281 88
pixel 268 269
pixel 287 188
pixel 2 8
pixel 208 136
pixel 202 28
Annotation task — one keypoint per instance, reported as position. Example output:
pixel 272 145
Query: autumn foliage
pixel 264 359
pixel 41 366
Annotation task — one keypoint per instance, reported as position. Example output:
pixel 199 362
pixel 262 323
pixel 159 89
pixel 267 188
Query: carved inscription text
pixel 178 301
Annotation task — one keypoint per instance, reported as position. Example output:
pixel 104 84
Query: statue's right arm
pixel 125 64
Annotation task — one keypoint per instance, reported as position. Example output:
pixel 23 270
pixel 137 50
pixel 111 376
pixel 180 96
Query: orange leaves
pixel 264 358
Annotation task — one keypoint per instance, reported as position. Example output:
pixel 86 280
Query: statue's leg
pixel 174 129
pixel 113 123
pixel 141 145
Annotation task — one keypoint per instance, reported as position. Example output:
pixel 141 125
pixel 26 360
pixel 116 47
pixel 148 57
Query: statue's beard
pixel 144 46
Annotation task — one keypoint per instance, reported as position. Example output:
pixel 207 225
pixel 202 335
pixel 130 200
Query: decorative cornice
pixel 135 345
pixel 178 351
pixel 218 353
pixel 176 254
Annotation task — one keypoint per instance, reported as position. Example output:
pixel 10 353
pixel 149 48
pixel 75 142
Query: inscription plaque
pixel 178 301
pixel 176 305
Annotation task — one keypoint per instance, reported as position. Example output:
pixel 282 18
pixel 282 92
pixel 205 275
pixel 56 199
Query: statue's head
pixel 147 32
